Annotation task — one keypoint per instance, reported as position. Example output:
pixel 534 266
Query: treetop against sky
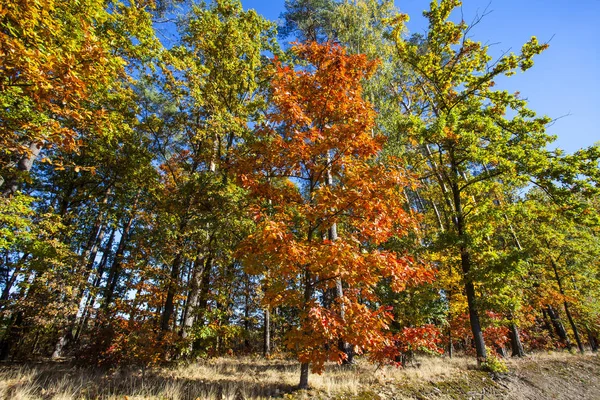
pixel 563 85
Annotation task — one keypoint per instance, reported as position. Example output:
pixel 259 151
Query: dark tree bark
pixel 198 301
pixel 12 335
pixel 171 291
pixel 17 326
pixel 558 326
pixel 453 202
pixel 303 376
pixel 515 341
pixel 11 281
pixel 593 341
pixel 465 258
pixel 308 293
pixel 566 305
pixel 191 303
pixel 204 287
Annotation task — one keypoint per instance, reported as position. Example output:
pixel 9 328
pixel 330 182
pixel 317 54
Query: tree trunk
pixel 566 305
pixel 16 328
pixel 88 257
pixel 558 326
pixel 193 294
pixel 96 284
pixel 465 258
pixel 267 333
pixel 450 344
pixel 11 281
pixel 592 340
pixel 573 327
pixel 246 312
pixel 346 348
pixel 204 287
pixel 12 335
pixel 24 165
pixel 515 341
pixel 501 350
pixel 308 293
pixel 474 318
pixel 115 269
pixel 303 376
pixel 171 291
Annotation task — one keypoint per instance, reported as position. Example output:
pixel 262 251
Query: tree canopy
pixel 360 192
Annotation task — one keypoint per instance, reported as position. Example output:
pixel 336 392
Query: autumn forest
pixel 183 181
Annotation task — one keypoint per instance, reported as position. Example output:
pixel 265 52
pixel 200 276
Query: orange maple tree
pixel 315 165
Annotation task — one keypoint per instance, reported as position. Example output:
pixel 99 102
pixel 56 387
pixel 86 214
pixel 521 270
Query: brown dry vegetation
pixel 541 376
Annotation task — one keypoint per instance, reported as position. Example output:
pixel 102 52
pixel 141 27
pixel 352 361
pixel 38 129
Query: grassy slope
pixel 541 376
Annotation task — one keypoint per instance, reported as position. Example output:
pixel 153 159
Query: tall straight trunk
pixel 308 293
pixel 88 294
pixel 96 284
pixel 177 306
pixel 172 285
pixel 573 327
pixel 192 297
pixel 247 312
pixel 346 348
pixel 204 287
pixel 115 268
pixel 471 302
pixel 171 291
pixel 515 341
pixel 441 182
pixel 267 332
pixel 438 216
pixel 566 305
pixel 88 257
pixel 188 272
pixel 96 234
pixel 24 165
pixel 450 344
pixel 79 296
pixel 199 306
pixel 466 266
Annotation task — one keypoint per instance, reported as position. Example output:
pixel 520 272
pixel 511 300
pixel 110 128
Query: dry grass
pixel 226 378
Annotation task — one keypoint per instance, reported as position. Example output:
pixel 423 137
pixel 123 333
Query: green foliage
pixel 495 365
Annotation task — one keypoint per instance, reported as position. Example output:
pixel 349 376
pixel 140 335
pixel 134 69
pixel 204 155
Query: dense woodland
pixel 179 181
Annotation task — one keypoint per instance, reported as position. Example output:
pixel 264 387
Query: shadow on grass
pixel 49 379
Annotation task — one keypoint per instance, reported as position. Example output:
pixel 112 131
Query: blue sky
pixel 565 80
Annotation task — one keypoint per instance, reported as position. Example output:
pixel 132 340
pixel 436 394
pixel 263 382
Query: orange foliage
pixel 322 127
pixel 54 60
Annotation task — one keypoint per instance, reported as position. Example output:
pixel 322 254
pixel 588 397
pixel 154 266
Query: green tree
pixel 471 137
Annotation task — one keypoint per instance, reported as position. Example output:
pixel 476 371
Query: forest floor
pixel 540 376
